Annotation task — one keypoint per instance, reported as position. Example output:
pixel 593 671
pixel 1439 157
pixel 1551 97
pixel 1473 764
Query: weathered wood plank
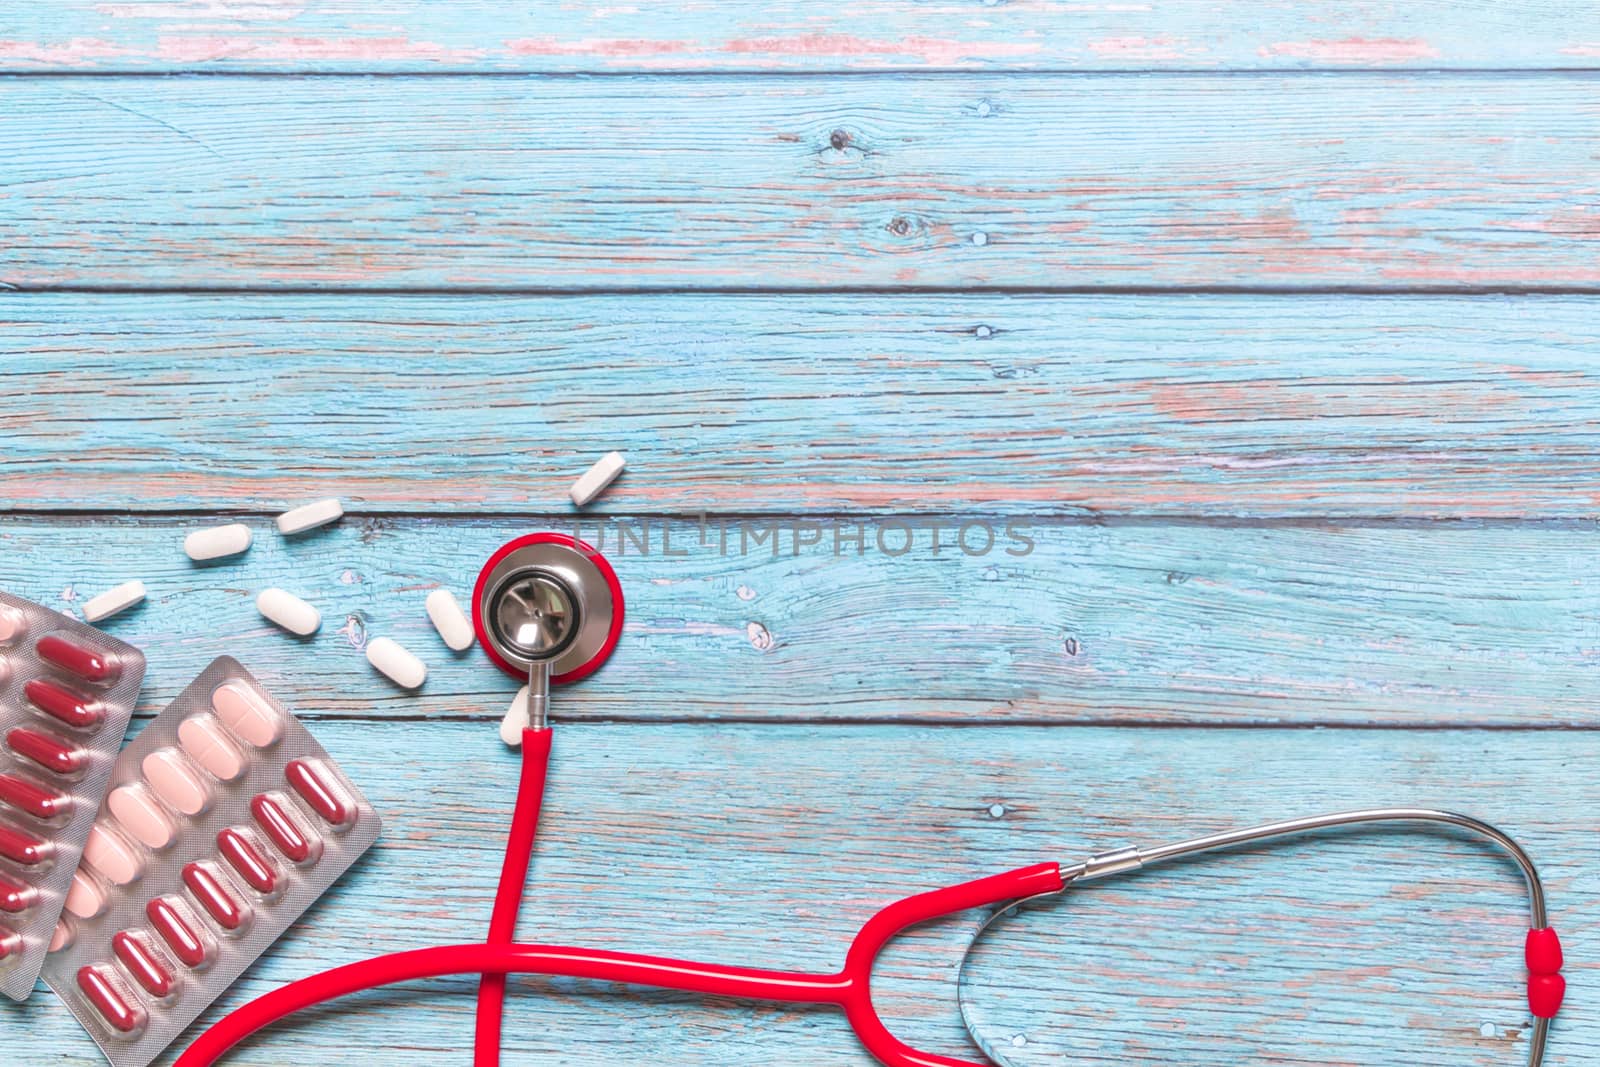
pixel 815 183
pixel 791 35
pixel 1236 406
pixel 1120 624
pixel 770 845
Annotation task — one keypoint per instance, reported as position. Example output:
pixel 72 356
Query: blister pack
pixel 67 691
pixel 225 822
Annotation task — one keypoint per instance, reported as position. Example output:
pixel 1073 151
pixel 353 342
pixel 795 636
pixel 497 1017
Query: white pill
pixel 288 611
pixel 516 719
pixel 217 542
pixel 112 601
pixel 310 516
pixel 403 669
pixel 448 618
pixel 599 476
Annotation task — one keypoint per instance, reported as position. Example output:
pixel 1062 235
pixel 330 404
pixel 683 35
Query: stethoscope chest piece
pixel 548 599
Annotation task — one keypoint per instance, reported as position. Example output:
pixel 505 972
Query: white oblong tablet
pixel 516 719
pixel 288 611
pixel 403 669
pixel 217 542
pixel 448 618
pixel 112 601
pixel 602 474
pixel 310 516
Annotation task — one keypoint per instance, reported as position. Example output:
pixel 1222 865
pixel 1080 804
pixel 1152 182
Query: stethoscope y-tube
pixel 547 607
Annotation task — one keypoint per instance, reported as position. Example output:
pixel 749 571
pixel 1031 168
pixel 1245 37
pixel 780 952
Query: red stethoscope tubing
pixel 849 988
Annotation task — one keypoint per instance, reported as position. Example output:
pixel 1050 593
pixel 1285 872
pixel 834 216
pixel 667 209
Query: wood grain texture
pixel 811 183
pixel 1123 624
pixel 774 844
pixel 1236 406
pixel 791 35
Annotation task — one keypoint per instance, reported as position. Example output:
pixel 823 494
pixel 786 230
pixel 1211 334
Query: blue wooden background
pixel 1274 327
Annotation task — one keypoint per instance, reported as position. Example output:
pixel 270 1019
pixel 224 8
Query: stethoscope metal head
pixel 548 602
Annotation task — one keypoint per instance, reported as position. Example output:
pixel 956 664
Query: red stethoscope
pixel 549 608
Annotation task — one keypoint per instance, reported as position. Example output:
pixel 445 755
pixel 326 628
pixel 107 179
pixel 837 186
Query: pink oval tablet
pixel 108 853
pixel 173 780
pixel 208 745
pixel 12 623
pixel 141 816
pixel 247 714
pixel 63 937
pixel 84 898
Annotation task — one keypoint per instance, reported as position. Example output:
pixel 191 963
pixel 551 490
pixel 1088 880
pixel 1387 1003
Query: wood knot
pixel 840 139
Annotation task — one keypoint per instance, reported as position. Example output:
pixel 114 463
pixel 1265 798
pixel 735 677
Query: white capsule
pixel 217 542
pixel 602 474
pixel 448 618
pixel 310 516
pixel 516 719
pixel 112 601
pixel 288 611
pixel 403 669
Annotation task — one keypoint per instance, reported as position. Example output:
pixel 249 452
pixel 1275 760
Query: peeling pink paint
pixel 934 51
pixel 595 46
pixel 1148 48
pixel 78 52
pixel 240 11
pixel 201 48
pixel 1354 50
pixel 1588 49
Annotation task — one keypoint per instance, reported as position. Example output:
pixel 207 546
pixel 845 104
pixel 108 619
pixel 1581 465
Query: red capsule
pixel 214 896
pixel 282 829
pixel 36 800
pixel 243 856
pixel 86 662
pixel 47 751
pixel 10 943
pixel 167 916
pixel 16 896
pixel 22 848
pixel 124 1015
pixel 74 709
pixel 325 798
pixel 145 966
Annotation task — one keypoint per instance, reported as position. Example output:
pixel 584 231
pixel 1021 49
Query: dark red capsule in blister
pixel 320 791
pixel 34 799
pixel 23 848
pixel 51 753
pixel 181 936
pixel 16 896
pixel 124 1014
pixel 213 894
pixel 283 830
pixel 243 856
pixel 86 661
pixel 62 704
pixel 145 966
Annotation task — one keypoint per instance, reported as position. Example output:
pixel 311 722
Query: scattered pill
pixel 108 853
pixel 595 480
pixel 243 856
pixel 62 704
pixel 402 668
pixel 146 967
pixel 49 752
pixel 247 714
pixel 516 719
pixel 213 895
pixel 123 1014
pixel 310 516
pixel 112 601
pixel 21 848
pixel 289 612
pixel 217 542
pixel 141 816
pixel 172 779
pixel 84 898
pixel 205 742
pixel 16 896
pixel 171 920
pixel 90 664
pixel 284 830
pixel 448 618
pixel 34 799
pixel 317 790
